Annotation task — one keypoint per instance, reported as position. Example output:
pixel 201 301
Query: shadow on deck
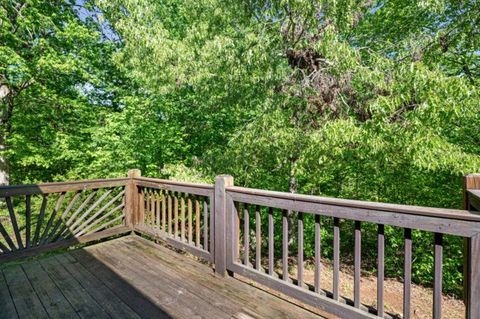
pixel 131 277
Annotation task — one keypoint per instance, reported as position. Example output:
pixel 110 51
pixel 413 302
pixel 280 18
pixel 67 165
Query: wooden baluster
pixel 40 221
pixel 357 262
pixel 205 223
pixel 237 231
pixel 246 235
pixel 147 209
pixel 285 245
pixel 300 250
pixel 258 238
pixel 182 216
pixel 28 217
pixel 437 283
pixel 380 270
pixel 158 201
pixel 317 254
pixel 169 209
pixel 407 277
pixel 197 222
pixel 175 214
pixel 190 217
pixel 336 257
pixel 13 220
pixel 271 238
pixel 164 212
pixel 152 208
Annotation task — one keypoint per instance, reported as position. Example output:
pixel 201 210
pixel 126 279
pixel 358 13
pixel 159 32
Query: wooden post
pixel 131 198
pixel 471 268
pixel 221 182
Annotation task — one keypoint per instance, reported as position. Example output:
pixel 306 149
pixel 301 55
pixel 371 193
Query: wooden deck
pixel 131 277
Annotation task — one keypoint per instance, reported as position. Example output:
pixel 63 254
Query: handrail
pixel 46 188
pixel 456 214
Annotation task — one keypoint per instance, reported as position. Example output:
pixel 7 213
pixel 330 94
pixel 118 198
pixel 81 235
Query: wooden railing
pixel 235 229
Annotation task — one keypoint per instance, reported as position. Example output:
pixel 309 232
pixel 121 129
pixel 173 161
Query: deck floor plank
pixel 84 305
pixel 132 277
pixel 54 302
pixel 24 297
pixel 6 303
pixel 202 278
pixel 110 302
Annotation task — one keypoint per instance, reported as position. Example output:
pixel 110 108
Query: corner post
pixel 471 265
pixel 221 182
pixel 131 198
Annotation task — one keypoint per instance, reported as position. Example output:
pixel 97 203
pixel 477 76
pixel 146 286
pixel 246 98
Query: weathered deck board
pixel 131 277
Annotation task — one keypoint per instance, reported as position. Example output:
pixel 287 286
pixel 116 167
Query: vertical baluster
pixel 380 270
pixel 190 226
pixel 197 222
pixel 205 223
pixel 237 231
pixel 28 214
pixel 152 208
pixel 336 256
pixel 437 283
pixel 246 235
pixel 317 253
pixel 285 245
pixel 169 211
pixel 164 212
pixel 147 210
pixel 258 234
pixel 300 250
pixel 158 199
pixel 13 220
pixel 270 241
pixel 175 214
pixel 182 214
pixel 357 262
pixel 407 277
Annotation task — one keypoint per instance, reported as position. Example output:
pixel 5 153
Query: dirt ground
pixel 422 298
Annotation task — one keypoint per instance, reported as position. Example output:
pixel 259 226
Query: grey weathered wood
pixel 6 303
pixel 82 207
pixel 336 257
pixel 437 282
pixel 246 235
pixel 169 213
pixel 357 263
pixel 285 276
pixel 175 214
pixel 99 220
pixel 28 220
pixel 131 196
pixel 407 273
pixel 175 186
pixel 190 219
pixel 48 293
pixel 221 205
pixel 380 269
pixel 23 295
pixel 258 239
pixel 47 188
pixel 157 209
pixel 281 200
pixel 164 212
pixel 182 217
pixel 40 221
pixel 205 224
pixel 79 229
pixel 55 233
pixel 318 256
pixel 197 222
pixel 114 231
pixel 57 207
pixel 472 277
pixel 13 220
pixel 300 250
pixel 271 238
pixel 90 209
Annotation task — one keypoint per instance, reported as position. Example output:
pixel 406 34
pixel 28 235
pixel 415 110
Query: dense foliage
pixel 373 100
